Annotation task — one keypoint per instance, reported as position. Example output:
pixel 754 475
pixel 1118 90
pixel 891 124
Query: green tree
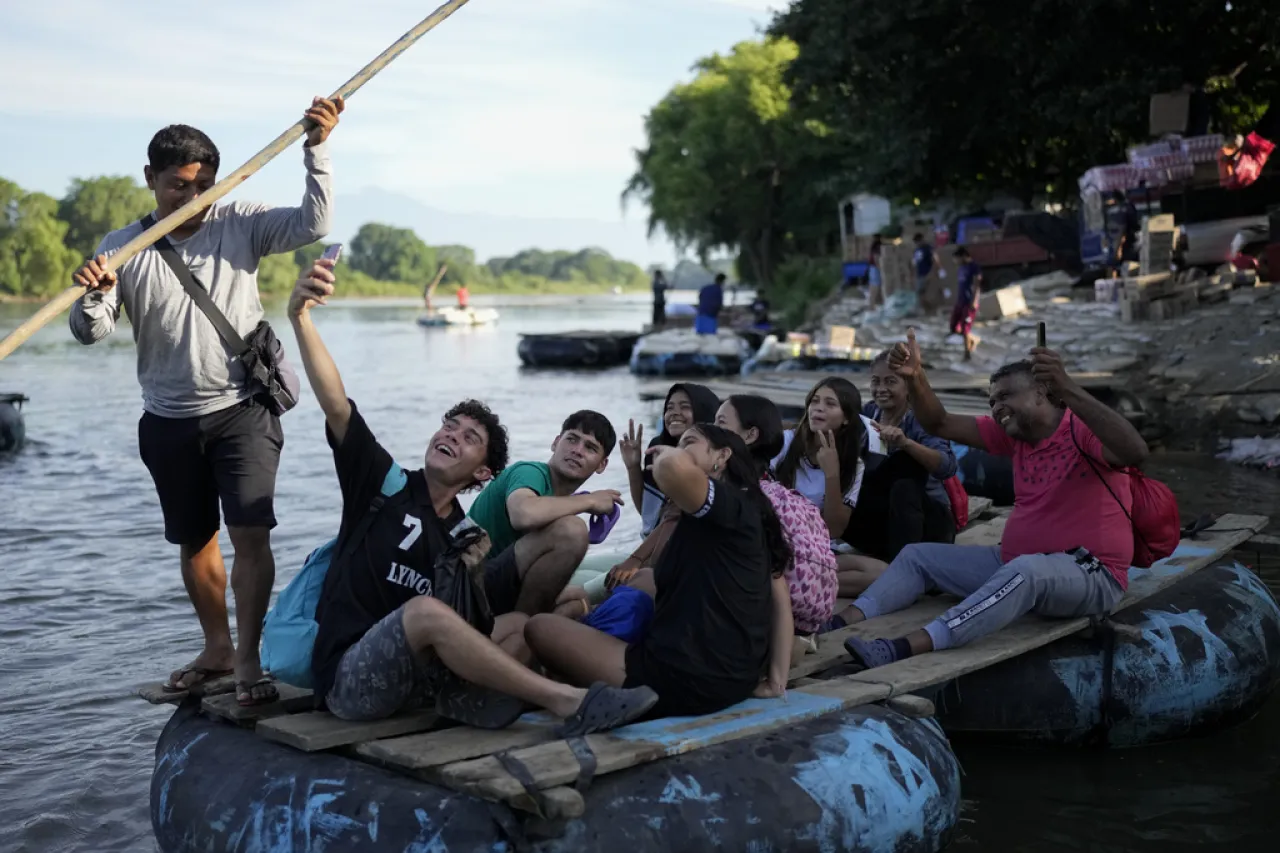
pixel 732 163
pixel 34 261
pixel 308 255
pixel 93 207
pixel 277 274
pixel 950 97
pixel 392 254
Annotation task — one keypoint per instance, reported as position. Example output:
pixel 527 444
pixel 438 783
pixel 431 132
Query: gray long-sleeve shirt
pixel 184 367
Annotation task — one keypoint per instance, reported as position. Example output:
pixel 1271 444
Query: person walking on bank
pixel 968 292
pixel 660 288
pixel 710 303
pixel 207 434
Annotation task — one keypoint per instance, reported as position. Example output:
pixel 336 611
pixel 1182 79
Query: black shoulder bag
pixel 268 373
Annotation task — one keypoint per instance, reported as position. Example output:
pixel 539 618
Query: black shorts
pixel 230 455
pixel 681 694
pixel 502 581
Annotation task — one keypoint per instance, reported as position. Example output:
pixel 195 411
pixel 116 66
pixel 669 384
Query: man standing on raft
pixel 203 435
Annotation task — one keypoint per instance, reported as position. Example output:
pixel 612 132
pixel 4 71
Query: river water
pixel 92 604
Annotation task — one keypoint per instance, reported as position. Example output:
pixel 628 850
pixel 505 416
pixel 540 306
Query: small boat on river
pixel 577 349
pixel 13 429
pixel 683 352
pixel 458 317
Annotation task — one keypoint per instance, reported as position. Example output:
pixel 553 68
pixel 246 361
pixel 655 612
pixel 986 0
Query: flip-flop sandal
pixel 478 707
pixel 204 672
pixel 607 707
pixel 245 688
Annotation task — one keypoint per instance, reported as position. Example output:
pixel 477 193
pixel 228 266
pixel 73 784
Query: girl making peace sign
pixel 824 459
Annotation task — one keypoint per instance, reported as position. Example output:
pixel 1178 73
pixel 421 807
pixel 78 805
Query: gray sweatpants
pixel 996 593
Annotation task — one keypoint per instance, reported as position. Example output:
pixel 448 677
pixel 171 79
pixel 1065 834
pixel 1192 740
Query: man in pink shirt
pixel 1067 545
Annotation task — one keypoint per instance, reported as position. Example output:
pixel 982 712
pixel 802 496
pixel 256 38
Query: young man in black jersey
pixel 385 643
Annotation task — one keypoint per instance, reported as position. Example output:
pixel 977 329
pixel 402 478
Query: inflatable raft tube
pixel 13 429
pixel 864 780
pixel 682 352
pixel 1198 657
pixel 576 349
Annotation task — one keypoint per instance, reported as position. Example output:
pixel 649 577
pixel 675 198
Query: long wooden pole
pixel 64 300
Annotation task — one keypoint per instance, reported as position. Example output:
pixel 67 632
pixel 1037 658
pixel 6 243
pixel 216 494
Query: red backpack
pixel 1157 526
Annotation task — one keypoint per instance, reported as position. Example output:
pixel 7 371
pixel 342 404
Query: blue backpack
pixel 289 633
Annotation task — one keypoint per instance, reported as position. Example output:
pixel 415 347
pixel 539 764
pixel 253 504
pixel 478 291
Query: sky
pixel 519 116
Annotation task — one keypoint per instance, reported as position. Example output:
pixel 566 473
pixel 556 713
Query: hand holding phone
pixel 332 253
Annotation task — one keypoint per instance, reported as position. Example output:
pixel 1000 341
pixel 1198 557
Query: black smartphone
pixel 1040 334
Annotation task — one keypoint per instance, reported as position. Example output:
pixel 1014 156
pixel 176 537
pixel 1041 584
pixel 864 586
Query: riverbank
pixel 1209 375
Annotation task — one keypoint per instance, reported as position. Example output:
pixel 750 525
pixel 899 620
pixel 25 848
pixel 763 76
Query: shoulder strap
pixel 1089 459
pixel 391 485
pixel 197 292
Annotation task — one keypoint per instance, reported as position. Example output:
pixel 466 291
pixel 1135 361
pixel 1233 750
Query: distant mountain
pixel 492 235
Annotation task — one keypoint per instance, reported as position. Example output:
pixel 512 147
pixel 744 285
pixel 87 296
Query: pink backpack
pixel 813 577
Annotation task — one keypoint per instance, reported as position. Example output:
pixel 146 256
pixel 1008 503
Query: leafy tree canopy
pixel 951 97
pixel 733 163
pixel 95 206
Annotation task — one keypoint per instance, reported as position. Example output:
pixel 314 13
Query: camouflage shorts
pixel 380 675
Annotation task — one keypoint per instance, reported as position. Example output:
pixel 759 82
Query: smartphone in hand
pixel 332 253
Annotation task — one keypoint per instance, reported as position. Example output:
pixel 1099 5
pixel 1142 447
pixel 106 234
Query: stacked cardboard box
pixel 896 271
pixel 1158 236
pixel 857 248
pixel 1005 302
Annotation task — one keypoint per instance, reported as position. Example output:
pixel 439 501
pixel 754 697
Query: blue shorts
pixel 704 325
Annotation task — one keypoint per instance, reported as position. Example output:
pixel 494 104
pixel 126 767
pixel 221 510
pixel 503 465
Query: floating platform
pixel 13 428
pixel 1193 659
pixel 682 352
pixel 577 349
pixel 458 317
pixel 835 766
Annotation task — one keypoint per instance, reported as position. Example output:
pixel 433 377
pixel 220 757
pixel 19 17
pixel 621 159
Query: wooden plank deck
pixel 317 730
pixel 961 393
pixel 551 763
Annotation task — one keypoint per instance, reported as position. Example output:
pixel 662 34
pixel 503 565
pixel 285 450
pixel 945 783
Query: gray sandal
pixel 607 707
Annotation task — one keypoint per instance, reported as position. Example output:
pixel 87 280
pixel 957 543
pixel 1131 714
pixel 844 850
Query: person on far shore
pixel 1067 546
pixel 923 259
pixel 710 303
pixel 204 435
pixel 660 288
pixel 968 292
pixel 875 293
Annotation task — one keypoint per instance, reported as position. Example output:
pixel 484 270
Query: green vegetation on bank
pixel 43 240
pixel 926 101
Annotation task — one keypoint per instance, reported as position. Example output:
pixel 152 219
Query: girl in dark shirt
pixel 708 644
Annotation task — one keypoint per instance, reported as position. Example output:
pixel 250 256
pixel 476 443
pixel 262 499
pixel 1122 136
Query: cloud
pixel 519 107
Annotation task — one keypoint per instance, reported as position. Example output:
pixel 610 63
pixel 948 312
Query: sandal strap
pixel 586 762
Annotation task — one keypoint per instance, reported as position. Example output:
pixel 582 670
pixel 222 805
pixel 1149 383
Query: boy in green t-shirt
pixel 531 515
